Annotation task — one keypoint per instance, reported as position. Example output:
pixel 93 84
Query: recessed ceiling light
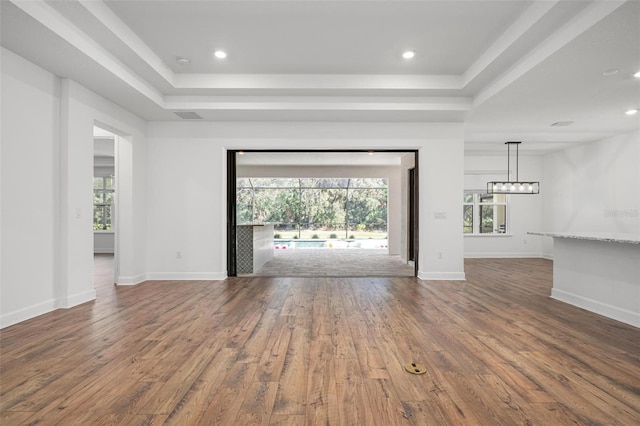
pixel 562 123
pixel 409 54
pixel 612 71
pixel 631 112
pixel 183 61
pixel 220 54
pixel 637 75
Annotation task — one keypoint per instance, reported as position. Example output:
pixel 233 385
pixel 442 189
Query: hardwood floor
pixel 300 351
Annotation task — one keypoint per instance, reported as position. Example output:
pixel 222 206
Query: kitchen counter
pixel 598 271
pixel 594 236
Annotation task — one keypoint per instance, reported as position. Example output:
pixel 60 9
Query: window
pixel 484 213
pixel 102 201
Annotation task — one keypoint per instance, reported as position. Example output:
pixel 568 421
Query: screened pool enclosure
pixel 315 208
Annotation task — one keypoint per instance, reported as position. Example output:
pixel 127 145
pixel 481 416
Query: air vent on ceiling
pixel 188 115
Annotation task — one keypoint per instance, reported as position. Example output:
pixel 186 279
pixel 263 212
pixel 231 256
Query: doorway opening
pixel 104 209
pixel 318 213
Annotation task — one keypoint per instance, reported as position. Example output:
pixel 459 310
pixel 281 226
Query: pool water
pixel 287 244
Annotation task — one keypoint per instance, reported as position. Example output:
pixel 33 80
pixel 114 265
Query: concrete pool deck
pixel 322 262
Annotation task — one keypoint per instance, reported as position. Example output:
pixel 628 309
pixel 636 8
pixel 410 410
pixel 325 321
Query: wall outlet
pixel 178 255
pixel 439 255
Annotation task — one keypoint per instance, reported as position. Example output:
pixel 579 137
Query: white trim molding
pixel 29 312
pixel 136 279
pixel 187 276
pixel 618 314
pixel 45 307
pixel 501 255
pixel 441 276
pixel 77 299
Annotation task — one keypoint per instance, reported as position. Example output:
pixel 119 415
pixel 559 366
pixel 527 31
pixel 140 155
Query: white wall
pixel 29 235
pixel 524 212
pixel 54 120
pixel 389 172
pixel 440 181
pixel 103 242
pixel 81 110
pixel 593 188
pixel 184 199
pixel 187 190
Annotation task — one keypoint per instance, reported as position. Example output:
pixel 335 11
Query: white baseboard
pixel 609 311
pixel 45 307
pixel 441 276
pixel 187 276
pixel 27 313
pixel 133 280
pixel 77 299
pixel 501 255
pixel 171 276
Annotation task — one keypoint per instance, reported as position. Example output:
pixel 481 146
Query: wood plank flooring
pixel 305 351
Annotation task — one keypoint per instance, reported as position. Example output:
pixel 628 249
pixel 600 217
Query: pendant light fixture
pixel 509 186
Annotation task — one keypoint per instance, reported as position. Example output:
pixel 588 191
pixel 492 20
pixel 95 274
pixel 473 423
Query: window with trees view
pixel 484 213
pixel 300 208
pixel 102 201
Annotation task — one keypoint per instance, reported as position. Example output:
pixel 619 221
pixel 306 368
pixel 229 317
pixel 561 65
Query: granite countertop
pixel 608 237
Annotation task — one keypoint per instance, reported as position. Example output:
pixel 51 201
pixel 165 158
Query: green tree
pixel 367 207
pixel 314 203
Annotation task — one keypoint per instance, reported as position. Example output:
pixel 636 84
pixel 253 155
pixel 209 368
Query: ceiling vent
pixel 188 115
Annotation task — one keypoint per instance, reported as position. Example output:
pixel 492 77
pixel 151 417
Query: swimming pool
pixel 284 244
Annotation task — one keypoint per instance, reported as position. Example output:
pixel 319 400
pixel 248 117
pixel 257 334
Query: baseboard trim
pixel 133 280
pixel 45 307
pixel 77 299
pixel 609 311
pixel 29 312
pixel 441 276
pixel 187 276
pixel 506 255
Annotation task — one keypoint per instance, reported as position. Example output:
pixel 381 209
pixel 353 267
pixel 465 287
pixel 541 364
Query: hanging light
pixel 513 187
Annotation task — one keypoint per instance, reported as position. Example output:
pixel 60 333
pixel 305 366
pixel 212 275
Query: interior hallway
pixel 103 275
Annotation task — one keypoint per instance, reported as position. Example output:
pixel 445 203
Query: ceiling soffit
pixel 110 36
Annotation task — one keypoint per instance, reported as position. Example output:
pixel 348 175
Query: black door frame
pixel 232 207
pixel 415 234
pixel 232 266
pixel 411 180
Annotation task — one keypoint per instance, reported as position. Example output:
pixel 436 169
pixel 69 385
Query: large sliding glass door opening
pixel 310 214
